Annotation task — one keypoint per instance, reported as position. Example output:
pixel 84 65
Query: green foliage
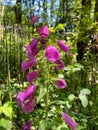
pixel 5 124
pixel 60 27
pixel 84 100
pixel 42 125
pixel 73 68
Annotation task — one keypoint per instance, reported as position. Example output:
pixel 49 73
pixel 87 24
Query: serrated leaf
pixel 85 91
pixel 7 110
pixel 84 100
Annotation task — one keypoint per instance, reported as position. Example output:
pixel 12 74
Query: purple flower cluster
pixel 26 99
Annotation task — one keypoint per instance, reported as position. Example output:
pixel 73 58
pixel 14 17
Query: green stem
pixel 47 90
pixel 47 103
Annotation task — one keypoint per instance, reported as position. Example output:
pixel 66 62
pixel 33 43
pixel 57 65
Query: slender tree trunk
pixel 51 13
pixel 96 11
pixel 18 12
pixel 44 10
pixel 1 16
pixel 85 13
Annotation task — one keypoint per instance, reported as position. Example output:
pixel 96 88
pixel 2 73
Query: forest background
pixel 76 22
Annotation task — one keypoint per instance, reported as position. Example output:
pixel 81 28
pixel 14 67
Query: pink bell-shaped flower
pixel 43 31
pixel 52 54
pixel 27 125
pixel 59 65
pixel 63 46
pixel 33 20
pixel 26 99
pixel 61 83
pixel 28 64
pixel 69 121
pixel 31 76
pixel 32 48
pixel 29 105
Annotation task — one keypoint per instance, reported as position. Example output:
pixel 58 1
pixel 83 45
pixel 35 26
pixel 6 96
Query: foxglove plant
pixel 26 99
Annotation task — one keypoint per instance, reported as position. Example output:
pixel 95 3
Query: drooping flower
pixel 34 19
pixel 59 65
pixel 43 31
pixel 22 96
pixel 31 76
pixel 63 46
pixel 32 48
pixel 69 121
pixel 52 54
pixel 61 83
pixel 28 64
pixel 26 98
pixel 27 125
pixel 29 106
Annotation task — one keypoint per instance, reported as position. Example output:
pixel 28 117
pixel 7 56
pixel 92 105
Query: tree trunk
pixel 96 11
pixel 44 11
pixel 18 13
pixel 85 13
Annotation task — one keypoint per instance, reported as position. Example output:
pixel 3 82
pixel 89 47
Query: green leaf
pixel 60 76
pixel 68 104
pixel 78 65
pixel 42 93
pixel 6 124
pixel 62 126
pixel 71 97
pixel 85 91
pixel 0 110
pixel 84 100
pixel 76 69
pixel 42 125
pixel 2 128
pixel 7 110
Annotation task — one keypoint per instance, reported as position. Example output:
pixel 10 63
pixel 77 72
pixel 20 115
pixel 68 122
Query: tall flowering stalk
pixel 27 99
